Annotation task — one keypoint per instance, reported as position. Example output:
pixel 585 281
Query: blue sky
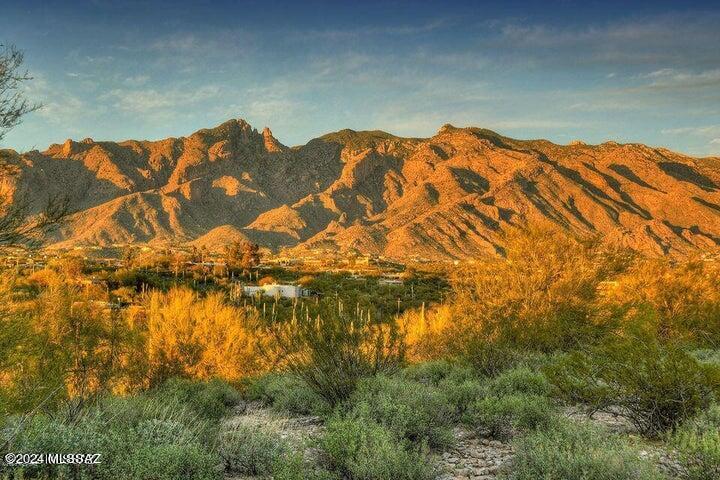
pixel 562 70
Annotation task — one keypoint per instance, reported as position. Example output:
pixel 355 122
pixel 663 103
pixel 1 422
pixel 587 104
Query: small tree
pixel 542 295
pixel 21 223
pixel 13 105
pixel 242 255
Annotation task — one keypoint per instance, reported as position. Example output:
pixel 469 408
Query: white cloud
pixel 703 130
pixel 366 31
pixel 663 72
pixel 671 78
pixel 271 108
pixel 600 104
pixel 152 100
pixel 58 105
pixel 136 81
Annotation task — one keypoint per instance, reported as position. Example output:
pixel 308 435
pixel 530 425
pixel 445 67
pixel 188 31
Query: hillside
pixel 447 196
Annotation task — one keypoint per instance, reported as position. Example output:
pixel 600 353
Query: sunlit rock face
pixel 449 196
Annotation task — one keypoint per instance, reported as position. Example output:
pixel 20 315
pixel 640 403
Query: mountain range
pixel 448 196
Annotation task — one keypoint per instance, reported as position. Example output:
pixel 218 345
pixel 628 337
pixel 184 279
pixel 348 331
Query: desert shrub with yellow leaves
pixel 199 337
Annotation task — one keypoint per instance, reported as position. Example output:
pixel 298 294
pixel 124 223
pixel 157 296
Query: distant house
pixel 391 279
pixel 277 290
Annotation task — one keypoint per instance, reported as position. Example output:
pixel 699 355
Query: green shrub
pixel 364 450
pixel 248 450
pixel 209 400
pixel 459 396
pixel 411 410
pixel 165 462
pixel 436 371
pixel 571 451
pixel 332 350
pixel 698 442
pixel 294 467
pixel 126 413
pixel 457 383
pixel 519 380
pixel 138 438
pixel 259 388
pixel 654 386
pixel 711 356
pixel 487 358
pixel 165 434
pixel 501 417
pixel 287 393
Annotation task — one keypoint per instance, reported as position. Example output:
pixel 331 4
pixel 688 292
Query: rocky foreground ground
pixel 472 457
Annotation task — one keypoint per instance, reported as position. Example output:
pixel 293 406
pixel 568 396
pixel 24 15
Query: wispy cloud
pixel 703 130
pixel 57 106
pixel 679 39
pixel 632 74
pixel 708 137
pixel 670 78
pixel 371 30
pixel 136 80
pixel 151 101
pixel 600 104
pixel 236 42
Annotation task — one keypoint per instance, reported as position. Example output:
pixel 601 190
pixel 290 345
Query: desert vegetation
pixel 526 351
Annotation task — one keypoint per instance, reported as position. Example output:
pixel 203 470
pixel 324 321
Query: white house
pixel 276 290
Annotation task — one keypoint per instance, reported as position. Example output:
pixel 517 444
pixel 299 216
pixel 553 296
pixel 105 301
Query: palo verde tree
pixel 22 223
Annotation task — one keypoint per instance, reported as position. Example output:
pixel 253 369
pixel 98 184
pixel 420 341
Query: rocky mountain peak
pixel 69 148
pixel 235 129
pixel 447 128
pixel 270 142
pixel 449 196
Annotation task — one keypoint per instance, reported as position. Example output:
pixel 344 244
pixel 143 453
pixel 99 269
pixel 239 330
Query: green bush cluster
pixel 459 384
pixel 136 441
pixel 166 434
pixel 209 400
pixel 434 372
pixel 247 450
pixel 413 411
pixel 287 393
pixel 521 380
pixel 502 417
pixel 572 451
pixel 261 451
pixel 294 467
pixel 459 395
pixel 698 442
pixel 361 449
pixel 655 386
